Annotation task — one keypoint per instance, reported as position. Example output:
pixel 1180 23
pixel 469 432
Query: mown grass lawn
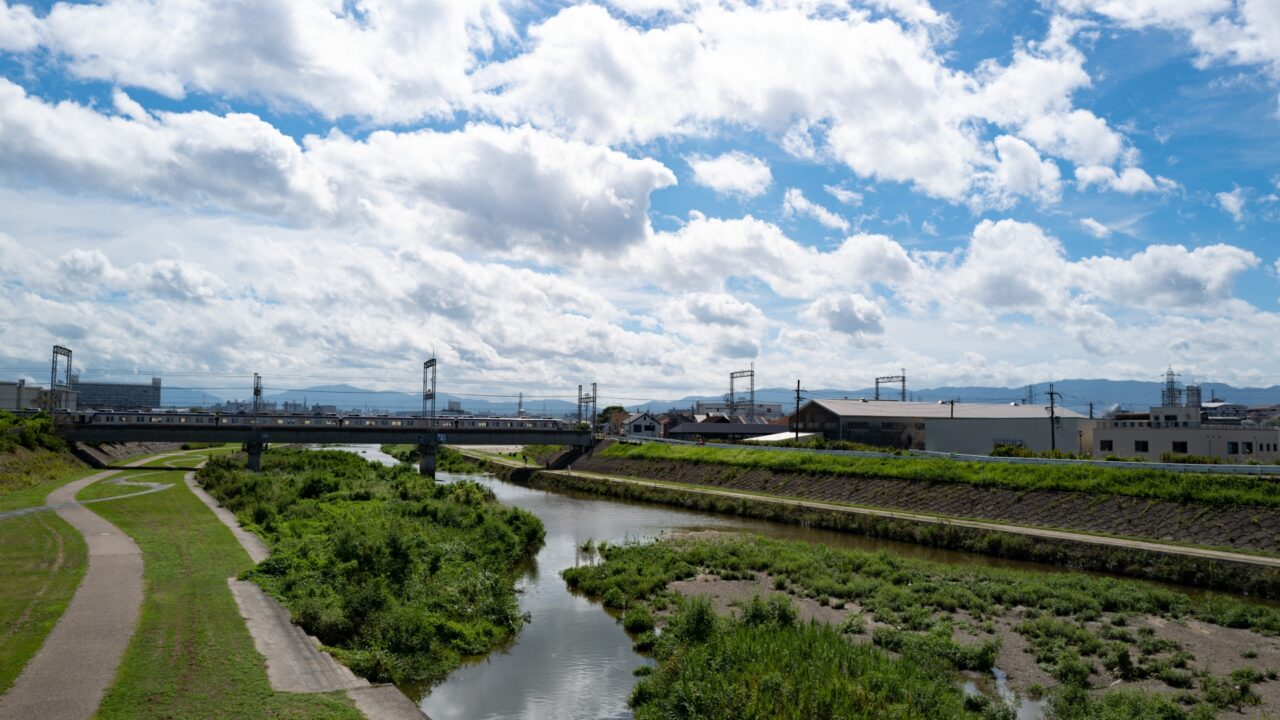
pixel 42 560
pixel 191 655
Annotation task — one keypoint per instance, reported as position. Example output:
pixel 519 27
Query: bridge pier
pixel 255 455
pixel 427 459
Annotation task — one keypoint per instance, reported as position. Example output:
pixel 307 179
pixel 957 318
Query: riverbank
pixel 1089 644
pixel 1165 563
pixel 1229 513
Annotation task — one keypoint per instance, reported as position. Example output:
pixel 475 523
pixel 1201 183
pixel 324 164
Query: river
pixel 573 660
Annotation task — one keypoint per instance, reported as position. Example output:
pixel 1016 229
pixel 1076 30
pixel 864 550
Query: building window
pixel 1140 446
pixel 1233 448
pixel 1105 446
pixel 1248 448
pixel 1180 446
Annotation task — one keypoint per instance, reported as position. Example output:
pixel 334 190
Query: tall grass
pixel 1146 483
pixel 767 666
pixel 403 576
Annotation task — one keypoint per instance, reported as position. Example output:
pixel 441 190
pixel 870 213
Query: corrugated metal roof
pixel 895 409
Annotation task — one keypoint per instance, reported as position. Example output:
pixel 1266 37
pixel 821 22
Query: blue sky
pixel 647 193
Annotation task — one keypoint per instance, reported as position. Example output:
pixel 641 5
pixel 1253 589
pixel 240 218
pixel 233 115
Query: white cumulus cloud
pixel 733 173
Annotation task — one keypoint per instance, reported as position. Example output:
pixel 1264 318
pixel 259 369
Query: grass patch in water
pixel 402 576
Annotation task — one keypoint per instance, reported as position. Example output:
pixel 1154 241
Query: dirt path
pixel 70 673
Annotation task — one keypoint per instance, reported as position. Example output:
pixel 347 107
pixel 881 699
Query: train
pixel 122 418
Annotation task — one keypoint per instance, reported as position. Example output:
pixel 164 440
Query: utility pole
pixel 429 387
pixel 795 419
pixel 952 403
pixel 257 394
pixel 1053 419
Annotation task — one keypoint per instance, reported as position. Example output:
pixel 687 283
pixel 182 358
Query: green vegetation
pixel 765 665
pixel 1158 484
pixel 447 459
pixel 42 560
pixel 33 461
pixel 1026 452
pixel 1075 625
pixel 191 655
pixel 32 433
pixel 111 488
pixel 1169 457
pixel 817 442
pixel 541 454
pixel 401 576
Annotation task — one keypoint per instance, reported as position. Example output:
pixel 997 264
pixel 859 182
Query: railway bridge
pixel 255 436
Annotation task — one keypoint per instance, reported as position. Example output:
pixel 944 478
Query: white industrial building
pixel 968 428
pixel 19 395
pixel 1185 430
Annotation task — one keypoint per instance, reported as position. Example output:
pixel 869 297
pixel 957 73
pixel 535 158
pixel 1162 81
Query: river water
pixel 573 660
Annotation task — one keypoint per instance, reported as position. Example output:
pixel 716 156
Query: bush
pixel 401 576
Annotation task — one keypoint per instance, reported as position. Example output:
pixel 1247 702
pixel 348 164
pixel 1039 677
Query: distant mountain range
pixel 1076 394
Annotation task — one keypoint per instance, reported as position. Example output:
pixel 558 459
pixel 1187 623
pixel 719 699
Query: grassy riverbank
pixel 33 461
pixel 42 560
pixel 1154 484
pixel 191 655
pixel 402 576
pixel 1079 632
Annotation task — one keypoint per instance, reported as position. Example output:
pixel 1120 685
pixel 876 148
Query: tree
pixel 614 417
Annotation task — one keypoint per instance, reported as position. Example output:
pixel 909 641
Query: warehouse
pixel 970 428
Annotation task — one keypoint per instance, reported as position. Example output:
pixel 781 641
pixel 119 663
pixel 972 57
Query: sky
pixel 647 194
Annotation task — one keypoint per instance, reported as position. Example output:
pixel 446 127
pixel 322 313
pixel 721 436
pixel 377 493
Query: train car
pixel 154 417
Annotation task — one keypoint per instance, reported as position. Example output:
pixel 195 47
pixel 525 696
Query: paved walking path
pixel 295 662
pixel 1260 560
pixel 68 676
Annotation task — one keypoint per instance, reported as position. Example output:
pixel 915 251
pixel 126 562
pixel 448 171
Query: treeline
pixel 1147 483
pixel 33 433
pixel 400 576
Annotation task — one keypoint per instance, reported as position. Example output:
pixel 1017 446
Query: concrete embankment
pixel 1183 565
pixel 1223 526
